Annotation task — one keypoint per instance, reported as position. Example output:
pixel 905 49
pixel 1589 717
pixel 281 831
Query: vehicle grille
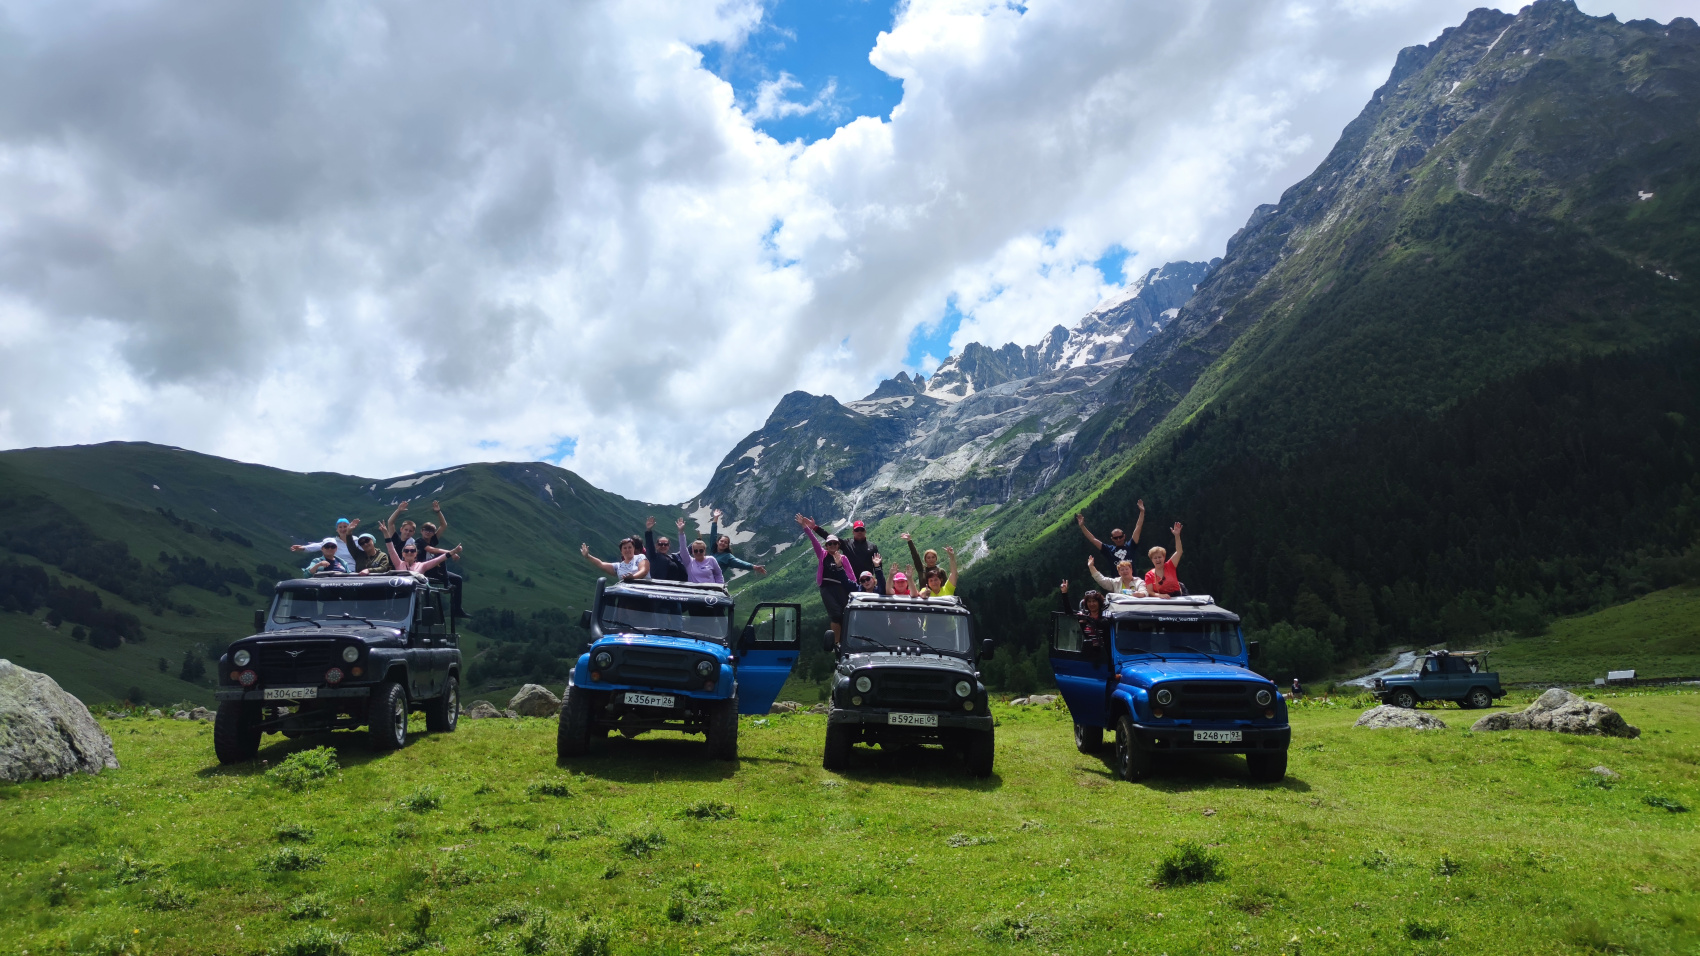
pixel 275 664
pixel 647 667
pixel 906 688
pixel 1204 700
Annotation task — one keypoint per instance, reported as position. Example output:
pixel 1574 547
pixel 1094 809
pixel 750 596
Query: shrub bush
pixel 1190 862
pixel 304 768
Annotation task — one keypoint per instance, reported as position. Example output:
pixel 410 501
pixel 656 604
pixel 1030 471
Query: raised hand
pixel 904 536
pixel 804 522
pixel 681 526
pixel 584 549
pixel 878 559
pixel 435 506
pixel 383 527
pixel 403 505
pixel 1091 563
pixel 761 569
pixel 717 514
pixel 1176 530
pixel 649 525
pixel 1080 519
pixel 1141 504
pixel 950 550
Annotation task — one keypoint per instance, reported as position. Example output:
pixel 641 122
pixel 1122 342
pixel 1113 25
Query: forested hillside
pixel 127 565
pixel 1449 384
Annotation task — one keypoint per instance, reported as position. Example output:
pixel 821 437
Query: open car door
pixel 767 651
pixel 1083 673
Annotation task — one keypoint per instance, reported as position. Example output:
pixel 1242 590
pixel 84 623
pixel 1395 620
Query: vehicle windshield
pixel 391 605
pixel 654 615
pixel 895 629
pixel 1157 635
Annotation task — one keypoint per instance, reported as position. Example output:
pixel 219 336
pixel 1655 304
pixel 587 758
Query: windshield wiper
pixel 1141 650
pixel 876 643
pixel 354 617
pixel 297 617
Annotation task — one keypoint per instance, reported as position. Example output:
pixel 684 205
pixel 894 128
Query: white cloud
pixel 381 237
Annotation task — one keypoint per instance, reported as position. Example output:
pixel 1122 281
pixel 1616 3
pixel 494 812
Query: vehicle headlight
pixel 350 654
pixel 864 685
pixel 604 659
pixel 963 688
pixel 1164 697
pixel 705 668
pixel 1264 698
pixel 241 658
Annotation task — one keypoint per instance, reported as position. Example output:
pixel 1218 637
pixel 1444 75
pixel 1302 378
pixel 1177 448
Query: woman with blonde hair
pixel 1123 583
pixel 1161 580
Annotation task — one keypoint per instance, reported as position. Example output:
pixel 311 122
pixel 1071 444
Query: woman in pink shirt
pixel 1161 580
pixel 409 551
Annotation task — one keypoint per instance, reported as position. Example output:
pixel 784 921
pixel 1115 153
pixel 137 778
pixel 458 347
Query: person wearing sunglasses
pixel 1120 547
pixel 408 559
pixel 701 568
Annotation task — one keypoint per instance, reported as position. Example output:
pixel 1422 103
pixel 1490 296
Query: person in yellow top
pixel 937 583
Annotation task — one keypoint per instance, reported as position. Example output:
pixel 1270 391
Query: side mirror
pixel 829 644
pixel 584 620
pixel 748 637
pixel 986 649
pixel 259 619
pixel 1253 651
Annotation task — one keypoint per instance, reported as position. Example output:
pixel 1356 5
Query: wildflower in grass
pixel 315 941
pixel 1190 862
pixel 290 859
pixel 641 844
pixel 423 800
pixel 311 906
pixel 304 768
pixel 709 810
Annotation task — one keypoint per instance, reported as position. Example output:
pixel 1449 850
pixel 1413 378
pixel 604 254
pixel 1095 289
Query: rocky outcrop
pixel 1386 715
pixel 535 700
pixel 1037 700
pixel 481 709
pixel 784 707
pixel 1560 710
pixel 45 732
pixel 199 713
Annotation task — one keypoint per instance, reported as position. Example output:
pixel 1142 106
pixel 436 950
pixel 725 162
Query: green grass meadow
pixel 475 842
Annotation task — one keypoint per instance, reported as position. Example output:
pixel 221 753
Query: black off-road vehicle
pixel 341 651
pixel 908 674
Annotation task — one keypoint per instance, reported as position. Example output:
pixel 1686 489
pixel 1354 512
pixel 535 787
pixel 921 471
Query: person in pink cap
pixel 834 575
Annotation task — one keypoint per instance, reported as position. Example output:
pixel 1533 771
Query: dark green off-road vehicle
pixel 341 651
pixel 1460 676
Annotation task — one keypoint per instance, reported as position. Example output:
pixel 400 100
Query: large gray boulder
pixel 482 709
pixel 45 732
pixel 535 700
pixel 1386 715
pixel 1560 710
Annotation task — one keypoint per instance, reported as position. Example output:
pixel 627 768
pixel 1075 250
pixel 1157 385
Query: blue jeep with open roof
pixel 663 656
pixel 1173 678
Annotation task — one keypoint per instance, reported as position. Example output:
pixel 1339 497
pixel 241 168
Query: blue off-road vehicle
pixel 664 656
pixel 1174 677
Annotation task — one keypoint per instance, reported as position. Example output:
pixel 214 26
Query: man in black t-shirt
pixel 1117 549
pixel 861 552
pixel 664 565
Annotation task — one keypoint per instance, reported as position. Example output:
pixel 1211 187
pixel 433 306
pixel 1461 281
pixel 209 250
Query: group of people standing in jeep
pixel 653 558
pixel 1162 581
pixel 407 547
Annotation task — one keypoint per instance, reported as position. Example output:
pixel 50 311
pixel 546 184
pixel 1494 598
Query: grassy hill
pixel 1448 385
pixel 100 517
pixel 1378 841
pixel 1657 635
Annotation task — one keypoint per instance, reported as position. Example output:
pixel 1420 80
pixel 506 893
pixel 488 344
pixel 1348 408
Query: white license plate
pixel 912 720
pixel 291 693
pixel 1216 736
pixel 649 700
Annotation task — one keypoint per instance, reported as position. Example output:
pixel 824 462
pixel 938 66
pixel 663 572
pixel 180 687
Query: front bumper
pixel 1178 738
pixel 259 694
pixel 876 717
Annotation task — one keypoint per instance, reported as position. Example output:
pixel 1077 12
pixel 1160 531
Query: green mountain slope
pixel 128 521
pixel 1447 385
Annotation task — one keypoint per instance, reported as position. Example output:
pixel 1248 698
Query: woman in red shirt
pixel 1161 580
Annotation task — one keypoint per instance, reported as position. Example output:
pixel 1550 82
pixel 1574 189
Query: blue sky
pixel 822 45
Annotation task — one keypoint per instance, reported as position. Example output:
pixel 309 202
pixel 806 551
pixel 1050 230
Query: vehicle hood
pixel 378 636
pixel 879 660
pixel 639 639
pixel 1145 673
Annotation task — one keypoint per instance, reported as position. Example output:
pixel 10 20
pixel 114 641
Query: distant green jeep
pixel 1460 676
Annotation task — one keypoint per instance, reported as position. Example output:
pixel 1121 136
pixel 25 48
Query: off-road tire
pixel 444 713
pixel 1477 699
pixel 722 731
pixel 979 753
pixel 386 717
pixel 837 755
pixel 236 732
pixel 1133 762
pixel 1267 767
pixel 1088 740
pixel 1403 697
pixel 572 739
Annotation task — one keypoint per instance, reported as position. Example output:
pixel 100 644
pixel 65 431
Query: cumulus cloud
pixel 378 237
